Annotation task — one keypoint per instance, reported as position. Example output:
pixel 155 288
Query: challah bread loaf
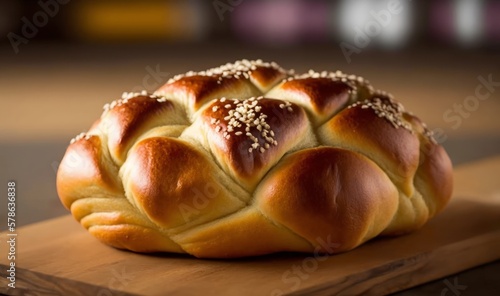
pixel 249 159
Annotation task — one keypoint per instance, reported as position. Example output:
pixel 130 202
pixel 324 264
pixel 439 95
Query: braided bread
pixel 249 159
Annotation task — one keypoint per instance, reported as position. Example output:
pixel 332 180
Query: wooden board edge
pixel 36 283
pixel 405 273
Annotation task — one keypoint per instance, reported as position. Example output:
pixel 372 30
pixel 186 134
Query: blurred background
pixel 454 23
pixel 62 60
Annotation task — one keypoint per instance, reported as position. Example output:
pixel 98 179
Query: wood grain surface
pixel 59 257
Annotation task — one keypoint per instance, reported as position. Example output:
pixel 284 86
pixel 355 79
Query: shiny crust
pixel 166 167
pixel 266 77
pixel 322 97
pixel 247 233
pixel 289 127
pixel 195 91
pixel 396 150
pixel 87 172
pixel 329 164
pixel 125 122
pixel 316 193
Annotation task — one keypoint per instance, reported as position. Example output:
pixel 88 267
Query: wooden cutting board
pixel 59 256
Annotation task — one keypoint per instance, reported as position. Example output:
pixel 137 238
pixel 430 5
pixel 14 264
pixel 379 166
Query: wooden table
pixel 59 256
pixel 50 93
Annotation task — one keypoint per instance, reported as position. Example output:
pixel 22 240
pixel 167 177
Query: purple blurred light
pixel 316 17
pixel 441 19
pixel 281 21
pixel 492 19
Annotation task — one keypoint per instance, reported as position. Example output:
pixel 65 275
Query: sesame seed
pixel 80 136
pixel 353 81
pixel 233 70
pixel 248 113
pixel 127 96
pixel 386 108
pixel 161 99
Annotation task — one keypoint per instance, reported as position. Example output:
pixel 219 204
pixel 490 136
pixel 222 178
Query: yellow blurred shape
pixel 130 20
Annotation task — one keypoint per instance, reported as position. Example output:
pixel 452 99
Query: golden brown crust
pixel 266 77
pixel 173 184
pixel 246 159
pixel 198 90
pixel 252 141
pixel 86 172
pixel 322 97
pixel 434 177
pixel 317 194
pixel 236 237
pixel 126 119
pixel 395 149
pixel 239 80
pixel 134 238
